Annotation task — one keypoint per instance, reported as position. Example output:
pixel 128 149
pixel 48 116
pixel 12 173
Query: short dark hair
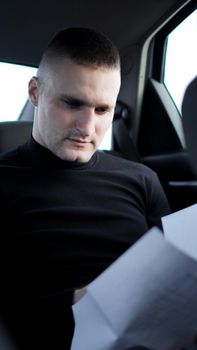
pixel 85 46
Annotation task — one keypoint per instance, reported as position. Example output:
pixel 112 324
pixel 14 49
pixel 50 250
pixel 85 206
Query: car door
pixel 160 139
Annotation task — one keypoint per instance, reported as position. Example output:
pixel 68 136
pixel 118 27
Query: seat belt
pixel 123 142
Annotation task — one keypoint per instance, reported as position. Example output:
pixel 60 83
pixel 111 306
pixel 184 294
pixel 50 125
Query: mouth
pixel 79 141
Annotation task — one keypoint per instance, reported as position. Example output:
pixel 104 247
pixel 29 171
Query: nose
pixel 85 123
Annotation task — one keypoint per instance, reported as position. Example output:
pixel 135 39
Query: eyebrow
pixel 80 102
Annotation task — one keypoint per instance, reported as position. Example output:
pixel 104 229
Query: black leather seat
pixel 189 113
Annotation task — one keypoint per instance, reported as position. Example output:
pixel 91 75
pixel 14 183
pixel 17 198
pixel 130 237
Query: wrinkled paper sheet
pixel 147 297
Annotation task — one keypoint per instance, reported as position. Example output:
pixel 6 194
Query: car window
pixel 13 89
pixel 181 58
pixel 106 143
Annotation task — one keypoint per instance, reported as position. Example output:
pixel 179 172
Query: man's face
pixel 74 108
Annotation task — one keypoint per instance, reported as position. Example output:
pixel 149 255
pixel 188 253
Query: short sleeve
pixel 157 202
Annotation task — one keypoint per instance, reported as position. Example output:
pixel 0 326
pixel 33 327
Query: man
pixel 69 211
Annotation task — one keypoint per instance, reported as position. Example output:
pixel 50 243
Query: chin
pixel 84 158
pixel 81 157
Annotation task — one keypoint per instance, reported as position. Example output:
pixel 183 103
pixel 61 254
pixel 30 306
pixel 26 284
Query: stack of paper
pixel 147 296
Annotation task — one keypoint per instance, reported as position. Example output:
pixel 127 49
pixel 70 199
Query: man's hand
pixel 78 294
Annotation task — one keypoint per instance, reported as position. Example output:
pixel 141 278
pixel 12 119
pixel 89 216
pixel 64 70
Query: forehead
pixel 68 77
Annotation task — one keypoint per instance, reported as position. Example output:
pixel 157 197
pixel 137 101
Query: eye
pixel 73 104
pixel 102 110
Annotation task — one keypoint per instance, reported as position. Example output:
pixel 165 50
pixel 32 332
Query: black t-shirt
pixel 70 220
pixel 65 222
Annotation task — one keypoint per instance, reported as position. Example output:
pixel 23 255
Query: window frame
pixel 159 42
pixel 151 84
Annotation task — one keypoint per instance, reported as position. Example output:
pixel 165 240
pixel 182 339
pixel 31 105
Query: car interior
pixel 147 126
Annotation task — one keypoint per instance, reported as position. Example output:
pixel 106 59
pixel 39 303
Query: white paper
pixel 180 228
pixel 146 297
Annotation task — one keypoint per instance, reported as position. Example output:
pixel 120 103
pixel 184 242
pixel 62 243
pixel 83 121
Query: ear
pixel 33 91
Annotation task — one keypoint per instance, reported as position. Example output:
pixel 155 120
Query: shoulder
pixel 9 158
pixel 133 174
pixel 115 162
pixel 14 157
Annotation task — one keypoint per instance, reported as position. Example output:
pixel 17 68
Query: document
pixel 180 228
pixel 147 297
